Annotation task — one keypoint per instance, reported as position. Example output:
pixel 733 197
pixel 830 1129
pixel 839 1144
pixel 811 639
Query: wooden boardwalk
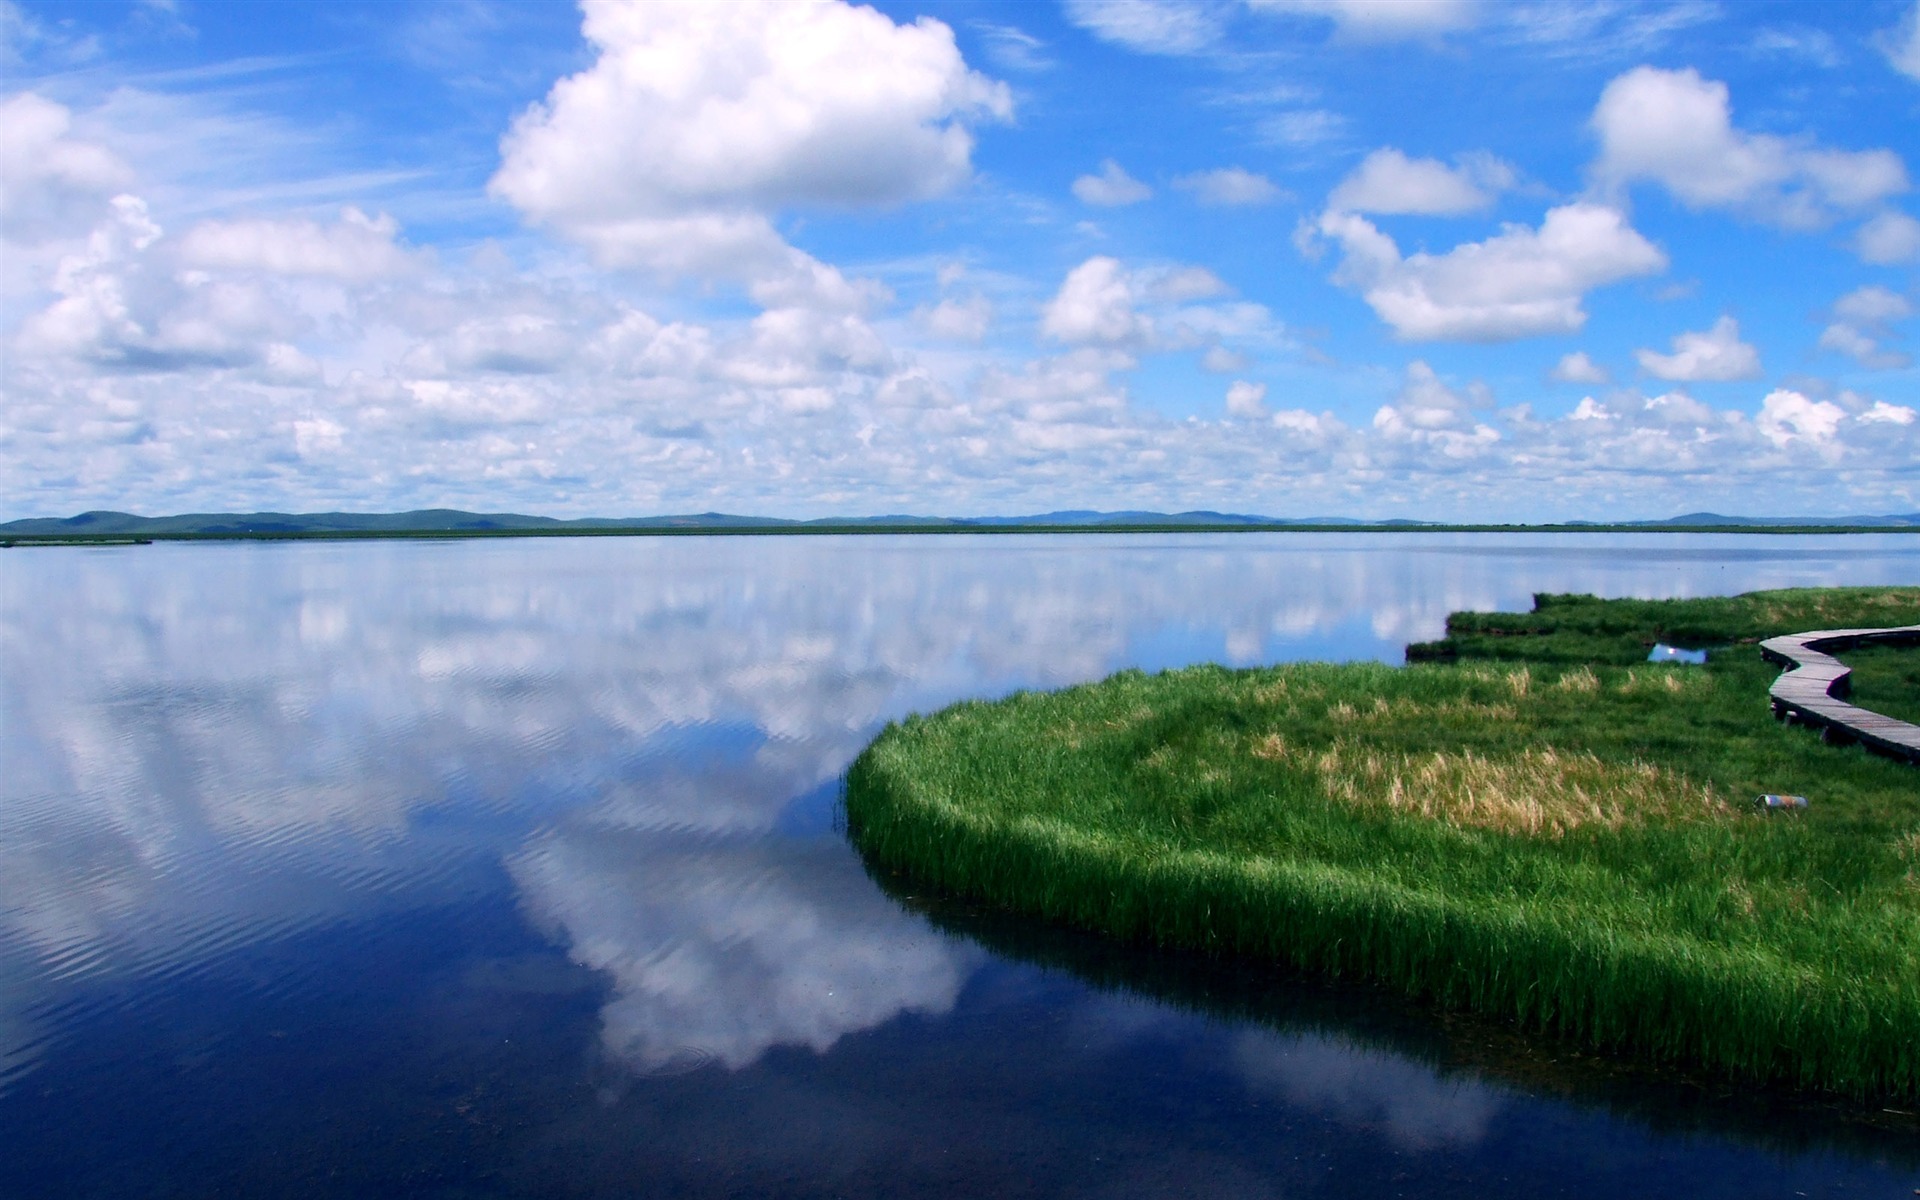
pixel 1814 687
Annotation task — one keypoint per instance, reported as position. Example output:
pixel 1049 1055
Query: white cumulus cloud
pixel 1096 304
pixel 1387 181
pixel 1519 283
pixel 1713 355
pixel 698 120
pixel 1579 367
pixel 1676 129
pixel 1883 413
pixel 1111 188
pixel 1245 399
pixel 1788 416
pixel 1104 303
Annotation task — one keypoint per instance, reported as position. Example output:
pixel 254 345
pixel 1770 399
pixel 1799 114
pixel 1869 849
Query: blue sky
pixel 1433 259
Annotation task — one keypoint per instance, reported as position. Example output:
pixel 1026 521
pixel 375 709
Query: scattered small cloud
pixel 1816 47
pixel 1862 322
pixel 1012 48
pixel 1901 44
pixel 1579 367
pixel 1598 30
pixel 1888 239
pixel 1388 182
pixel 1173 27
pixel 1374 21
pixel 1302 128
pixel 1715 355
pixel 1221 361
pixel 1111 188
pixel 1246 400
pixel 1229 186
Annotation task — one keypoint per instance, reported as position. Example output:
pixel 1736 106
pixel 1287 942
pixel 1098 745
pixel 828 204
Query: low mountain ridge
pixel 107 523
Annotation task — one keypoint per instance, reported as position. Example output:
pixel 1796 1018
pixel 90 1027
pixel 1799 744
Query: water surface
pixel 511 868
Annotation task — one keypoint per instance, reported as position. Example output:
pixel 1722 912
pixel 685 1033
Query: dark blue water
pixel 511 868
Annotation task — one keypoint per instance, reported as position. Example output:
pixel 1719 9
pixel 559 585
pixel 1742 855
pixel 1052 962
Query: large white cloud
pixel 1519 283
pixel 698 120
pixel 1712 355
pixel 1676 129
pixel 1387 181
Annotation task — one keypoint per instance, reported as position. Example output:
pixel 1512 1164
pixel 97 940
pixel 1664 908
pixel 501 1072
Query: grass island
pixel 1528 820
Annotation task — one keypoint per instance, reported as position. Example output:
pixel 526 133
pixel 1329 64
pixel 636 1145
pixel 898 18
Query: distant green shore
pixel 1530 821
pixel 818 529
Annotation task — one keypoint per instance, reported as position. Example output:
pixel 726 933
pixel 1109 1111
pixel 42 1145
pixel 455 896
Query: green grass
pixel 1886 679
pixel 1556 837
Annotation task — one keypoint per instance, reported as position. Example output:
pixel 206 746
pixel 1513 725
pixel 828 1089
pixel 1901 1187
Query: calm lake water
pixel 511 868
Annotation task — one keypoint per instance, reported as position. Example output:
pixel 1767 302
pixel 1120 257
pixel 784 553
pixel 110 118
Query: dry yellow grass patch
pixel 1404 709
pixel 1675 680
pixel 1270 693
pixel 1272 747
pixel 1541 792
pixel 1583 680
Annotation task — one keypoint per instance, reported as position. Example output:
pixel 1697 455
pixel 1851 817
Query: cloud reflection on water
pixel 1415 1105
pixel 722 948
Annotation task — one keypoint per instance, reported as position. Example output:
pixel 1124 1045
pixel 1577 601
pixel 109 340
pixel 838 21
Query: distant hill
pixel 425 520
pixel 1707 518
pixel 449 520
pixel 103 524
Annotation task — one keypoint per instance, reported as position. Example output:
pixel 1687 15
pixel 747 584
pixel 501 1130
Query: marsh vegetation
pixel 1529 822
